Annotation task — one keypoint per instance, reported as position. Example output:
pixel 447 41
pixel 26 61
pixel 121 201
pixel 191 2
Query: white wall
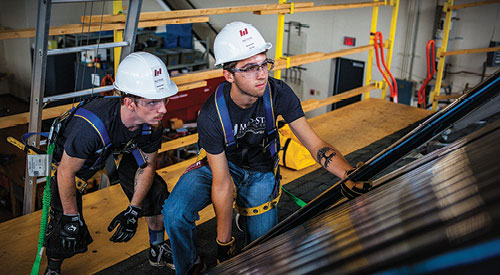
pixel 15 54
pixel 327 29
pixel 474 29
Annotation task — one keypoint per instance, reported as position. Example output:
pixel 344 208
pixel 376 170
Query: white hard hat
pixel 237 41
pixel 145 75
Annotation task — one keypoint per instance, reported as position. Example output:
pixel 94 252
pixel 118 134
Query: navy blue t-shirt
pixel 249 125
pixel 80 140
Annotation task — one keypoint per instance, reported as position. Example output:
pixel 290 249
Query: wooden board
pixel 469 51
pixel 146 16
pixel 348 129
pixel 468 5
pixel 77 28
pixel 322 8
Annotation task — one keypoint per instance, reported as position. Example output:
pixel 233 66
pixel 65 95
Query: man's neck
pixel 128 119
pixel 241 99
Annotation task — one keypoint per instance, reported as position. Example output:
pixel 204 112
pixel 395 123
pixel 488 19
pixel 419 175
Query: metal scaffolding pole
pixel 39 73
pixel 37 91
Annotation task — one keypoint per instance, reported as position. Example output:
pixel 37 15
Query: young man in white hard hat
pixel 88 141
pixel 243 154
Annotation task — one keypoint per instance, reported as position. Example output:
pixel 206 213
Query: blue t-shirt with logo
pixel 249 125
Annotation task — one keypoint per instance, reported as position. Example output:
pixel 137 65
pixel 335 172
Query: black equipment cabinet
pixel 59 79
pixel 346 74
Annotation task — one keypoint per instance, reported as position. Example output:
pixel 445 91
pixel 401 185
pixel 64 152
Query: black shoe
pixel 198 268
pixel 49 271
pixel 160 255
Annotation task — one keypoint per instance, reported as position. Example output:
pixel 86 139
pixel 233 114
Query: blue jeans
pixel 192 193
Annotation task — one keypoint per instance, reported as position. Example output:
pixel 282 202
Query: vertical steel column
pixel 280 29
pixel 117 34
pixel 133 14
pixel 37 91
pixel 392 34
pixel 369 61
pixel 444 45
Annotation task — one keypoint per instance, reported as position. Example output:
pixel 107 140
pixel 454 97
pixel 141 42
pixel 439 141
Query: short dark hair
pixel 124 95
pixel 229 66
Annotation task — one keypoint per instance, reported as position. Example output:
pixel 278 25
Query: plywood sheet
pixel 358 125
pixel 348 129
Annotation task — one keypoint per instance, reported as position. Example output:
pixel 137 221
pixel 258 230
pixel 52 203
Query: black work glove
pixel 128 220
pixel 225 250
pixel 71 227
pixel 355 191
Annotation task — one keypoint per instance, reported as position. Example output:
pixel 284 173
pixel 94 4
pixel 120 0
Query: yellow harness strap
pixel 257 210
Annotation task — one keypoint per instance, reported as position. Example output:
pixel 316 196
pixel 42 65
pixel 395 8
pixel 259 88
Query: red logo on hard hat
pixel 243 32
pixel 158 72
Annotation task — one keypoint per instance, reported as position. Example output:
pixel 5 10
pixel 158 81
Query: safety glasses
pixel 152 104
pixel 253 70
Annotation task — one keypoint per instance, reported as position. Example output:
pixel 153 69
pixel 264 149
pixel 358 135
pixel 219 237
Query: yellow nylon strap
pixel 257 210
pixel 292 6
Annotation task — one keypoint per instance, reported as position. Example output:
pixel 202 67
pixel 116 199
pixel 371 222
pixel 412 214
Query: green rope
pixel 45 215
pixel 297 201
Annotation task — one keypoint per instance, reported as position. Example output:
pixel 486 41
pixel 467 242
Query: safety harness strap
pixel 225 119
pixel 270 124
pixel 100 128
pixel 260 209
pixel 96 123
pixel 271 138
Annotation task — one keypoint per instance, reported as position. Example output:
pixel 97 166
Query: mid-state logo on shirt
pixel 256 126
pixel 243 32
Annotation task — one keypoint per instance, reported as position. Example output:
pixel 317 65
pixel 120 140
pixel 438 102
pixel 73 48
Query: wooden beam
pixel 297 60
pixel 146 16
pixel 456 7
pixel 300 58
pixel 192 85
pixel 178 143
pixel 94 27
pixel 23 118
pixel 468 51
pixel 196 76
pixel 345 52
pixel 321 8
pixel 337 98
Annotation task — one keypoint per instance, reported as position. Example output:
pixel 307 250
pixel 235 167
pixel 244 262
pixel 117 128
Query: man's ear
pixel 129 103
pixel 228 76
